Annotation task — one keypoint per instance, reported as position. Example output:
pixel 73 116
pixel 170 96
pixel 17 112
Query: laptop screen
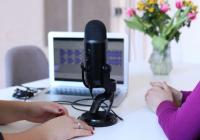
pixel 68 57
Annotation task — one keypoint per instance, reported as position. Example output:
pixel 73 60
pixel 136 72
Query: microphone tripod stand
pixel 97 118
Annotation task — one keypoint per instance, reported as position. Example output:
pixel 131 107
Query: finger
pixel 146 95
pixel 156 83
pixel 62 109
pixel 51 109
pixel 156 88
pixel 55 108
pixel 148 92
pixel 173 89
pixel 82 132
pixel 159 84
pixel 84 125
pixel 166 87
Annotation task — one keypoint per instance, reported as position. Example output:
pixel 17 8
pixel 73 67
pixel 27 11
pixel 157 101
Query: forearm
pixel 181 123
pixel 166 113
pixel 27 135
pixel 12 111
pixel 37 133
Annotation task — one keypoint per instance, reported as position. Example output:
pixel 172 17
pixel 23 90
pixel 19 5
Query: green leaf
pixel 186 11
pixel 179 23
pixel 135 23
pixel 159 43
pixel 177 36
pixel 167 29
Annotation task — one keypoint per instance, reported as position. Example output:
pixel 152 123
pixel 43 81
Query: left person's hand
pixel 156 95
pixel 40 112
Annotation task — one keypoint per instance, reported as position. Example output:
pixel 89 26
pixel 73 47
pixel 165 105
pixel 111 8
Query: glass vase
pixel 161 62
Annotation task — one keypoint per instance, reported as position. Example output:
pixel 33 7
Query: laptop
pixel 65 57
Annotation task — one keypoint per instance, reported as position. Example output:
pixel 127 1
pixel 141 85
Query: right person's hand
pixel 177 95
pixel 157 95
pixel 59 128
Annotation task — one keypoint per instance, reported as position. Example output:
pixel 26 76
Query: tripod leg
pixel 97 102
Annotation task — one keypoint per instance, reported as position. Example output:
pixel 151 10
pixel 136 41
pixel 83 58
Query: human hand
pixel 40 112
pixel 59 128
pixel 156 95
pixel 177 95
pixel 66 127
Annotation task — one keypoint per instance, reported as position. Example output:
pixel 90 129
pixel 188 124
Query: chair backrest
pixel 25 64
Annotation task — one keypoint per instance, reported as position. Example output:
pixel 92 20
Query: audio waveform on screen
pixel 74 56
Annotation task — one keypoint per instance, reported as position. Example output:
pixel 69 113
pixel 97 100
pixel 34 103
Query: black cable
pixel 75 103
pixel 91 94
pixel 63 102
pixel 33 88
pixel 113 112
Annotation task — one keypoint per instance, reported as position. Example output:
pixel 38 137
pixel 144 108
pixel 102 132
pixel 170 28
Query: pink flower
pixel 164 8
pixel 179 4
pixel 192 16
pixel 131 12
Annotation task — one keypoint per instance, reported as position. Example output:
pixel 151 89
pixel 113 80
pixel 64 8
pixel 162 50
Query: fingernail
pixel 92 132
pixel 60 110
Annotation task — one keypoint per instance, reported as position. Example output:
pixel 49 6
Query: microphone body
pixel 95 44
pixel 95 59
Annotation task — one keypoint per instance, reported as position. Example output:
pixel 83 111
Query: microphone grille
pixel 95 30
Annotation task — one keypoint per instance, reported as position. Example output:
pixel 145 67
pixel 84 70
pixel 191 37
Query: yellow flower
pixel 187 3
pixel 152 1
pixel 162 2
pixel 194 8
pixel 151 9
pixel 140 5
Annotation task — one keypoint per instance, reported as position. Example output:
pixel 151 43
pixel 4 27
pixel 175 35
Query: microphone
pixel 95 44
pixel 96 74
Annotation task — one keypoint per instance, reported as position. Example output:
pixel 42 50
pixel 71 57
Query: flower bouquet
pixel 153 19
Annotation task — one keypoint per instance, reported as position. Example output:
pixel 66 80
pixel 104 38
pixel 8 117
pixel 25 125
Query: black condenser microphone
pixel 95 43
pixel 96 74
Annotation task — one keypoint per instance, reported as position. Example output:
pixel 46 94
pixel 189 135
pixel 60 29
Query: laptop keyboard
pixel 76 91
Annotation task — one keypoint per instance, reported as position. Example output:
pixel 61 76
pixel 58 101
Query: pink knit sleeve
pixel 181 123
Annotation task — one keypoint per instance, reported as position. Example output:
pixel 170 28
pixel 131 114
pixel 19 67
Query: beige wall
pixel 55 16
pixel 27 22
pixel 86 10
pixel 21 23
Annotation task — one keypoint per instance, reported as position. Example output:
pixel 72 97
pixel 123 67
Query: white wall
pixel 21 23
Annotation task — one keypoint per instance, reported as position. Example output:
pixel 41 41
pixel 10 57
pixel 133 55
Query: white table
pixel 139 123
